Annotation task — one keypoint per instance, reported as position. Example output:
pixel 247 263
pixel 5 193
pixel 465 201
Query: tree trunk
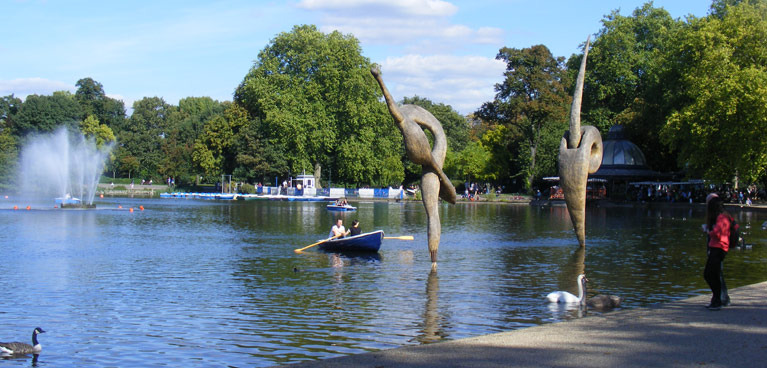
pixel 317 175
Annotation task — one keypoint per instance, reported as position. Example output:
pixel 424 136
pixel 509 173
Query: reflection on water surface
pixel 217 283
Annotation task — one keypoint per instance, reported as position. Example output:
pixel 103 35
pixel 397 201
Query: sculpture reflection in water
pixel 432 329
pixel 580 154
pixel 434 183
pixel 576 265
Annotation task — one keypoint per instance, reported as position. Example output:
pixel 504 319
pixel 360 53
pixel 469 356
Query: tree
pixel 183 127
pixel 719 7
pixel 129 164
pixel 101 133
pixel 531 99
pixel 628 80
pixel 94 101
pixel 315 97
pixel 144 133
pixel 473 163
pixel 9 106
pixel 719 128
pixel 42 114
pixel 9 155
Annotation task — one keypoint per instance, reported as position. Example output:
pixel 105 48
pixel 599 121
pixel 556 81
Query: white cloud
pixel 398 7
pixel 400 22
pixel 23 87
pixel 464 82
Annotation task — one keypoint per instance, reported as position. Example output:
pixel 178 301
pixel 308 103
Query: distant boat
pixel 341 205
pixel 367 242
pixel 67 200
pixel 335 207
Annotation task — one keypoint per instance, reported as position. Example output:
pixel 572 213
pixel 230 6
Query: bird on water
pixel 20 348
pixel 565 297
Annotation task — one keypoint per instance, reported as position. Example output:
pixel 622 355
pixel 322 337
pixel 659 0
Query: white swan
pixel 20 348
pixel 565 297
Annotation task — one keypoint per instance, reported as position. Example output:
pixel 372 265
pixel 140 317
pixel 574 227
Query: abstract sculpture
pixel 434 182
pixel 580 154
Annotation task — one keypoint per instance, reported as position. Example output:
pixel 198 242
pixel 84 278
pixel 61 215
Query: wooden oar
pixel 403 237
pixel 317 243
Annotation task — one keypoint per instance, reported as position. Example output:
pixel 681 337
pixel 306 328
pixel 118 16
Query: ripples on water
pixel 189 282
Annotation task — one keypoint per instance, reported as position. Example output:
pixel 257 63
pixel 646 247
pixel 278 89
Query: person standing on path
pixel 717 228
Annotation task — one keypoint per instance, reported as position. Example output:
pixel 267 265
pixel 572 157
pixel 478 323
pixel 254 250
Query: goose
pixel 565 297
pixel 604 302
pixel 20 348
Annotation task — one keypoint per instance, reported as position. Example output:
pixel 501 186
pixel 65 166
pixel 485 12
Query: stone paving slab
pixel 676 334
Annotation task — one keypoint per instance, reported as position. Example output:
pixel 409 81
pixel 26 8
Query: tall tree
pixel 9 106
pixel 42 114
pixel 627 80
pixel 8 142
pixel 100 133
pixel 315 98
pixel 720 127
pixel 94 101
pixel 144 133
pixel 531 100
pixel 184 126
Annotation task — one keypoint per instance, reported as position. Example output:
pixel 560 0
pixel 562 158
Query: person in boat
pixel 355 230
pixel 338 230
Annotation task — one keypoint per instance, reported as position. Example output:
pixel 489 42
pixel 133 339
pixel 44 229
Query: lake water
pixel 215 283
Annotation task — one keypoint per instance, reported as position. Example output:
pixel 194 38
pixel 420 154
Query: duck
pixel 565 297
pixel 20 348
pixel 604 302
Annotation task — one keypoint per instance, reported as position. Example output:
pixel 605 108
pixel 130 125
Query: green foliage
pixel 248 189
pixel 9 106
pixel 530 100
pixel 628 79
pixel 101 133
pixel 719 128
pixel 43 114
pixel 93 100
pixel 316 101
pixel 9 154
pixel 129 164
pixel 142 137
pixel 473 163
pixel 206 160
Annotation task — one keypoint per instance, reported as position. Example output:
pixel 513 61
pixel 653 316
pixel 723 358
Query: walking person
pixel 717 228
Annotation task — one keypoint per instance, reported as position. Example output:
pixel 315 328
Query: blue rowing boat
pixel 335 207
pixel 367 242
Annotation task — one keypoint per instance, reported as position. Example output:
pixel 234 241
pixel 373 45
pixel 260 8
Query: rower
pixel 338 230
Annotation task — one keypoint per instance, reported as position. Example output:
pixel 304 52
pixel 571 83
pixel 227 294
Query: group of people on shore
pixel 693 193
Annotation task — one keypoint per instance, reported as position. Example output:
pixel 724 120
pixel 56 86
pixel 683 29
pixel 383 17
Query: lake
pixel 216 283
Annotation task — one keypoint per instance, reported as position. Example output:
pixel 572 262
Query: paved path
pixel 676 334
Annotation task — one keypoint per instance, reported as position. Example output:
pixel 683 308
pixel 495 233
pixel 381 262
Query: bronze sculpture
pixel 580 154
pixel 434 183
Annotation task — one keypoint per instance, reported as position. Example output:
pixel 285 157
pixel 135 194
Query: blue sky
pixel 438 49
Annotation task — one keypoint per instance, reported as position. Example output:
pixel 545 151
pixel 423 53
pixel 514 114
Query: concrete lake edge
pixel 680 333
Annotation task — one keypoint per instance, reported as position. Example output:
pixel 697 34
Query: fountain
pixel 65 165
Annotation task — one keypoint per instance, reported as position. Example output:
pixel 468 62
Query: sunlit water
pixel 209 283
